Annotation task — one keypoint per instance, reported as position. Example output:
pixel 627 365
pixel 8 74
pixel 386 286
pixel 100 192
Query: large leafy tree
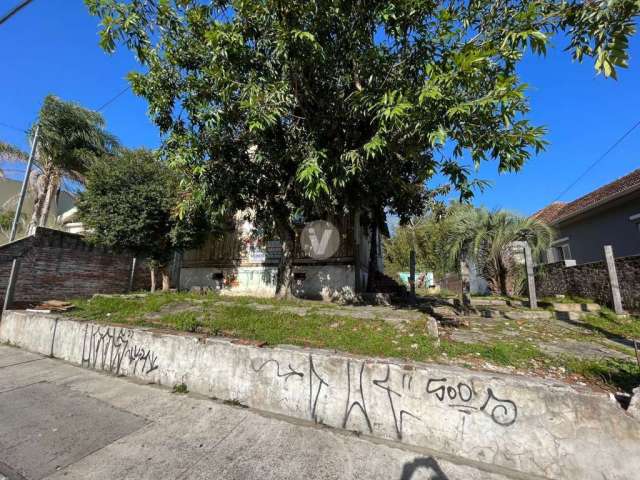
pixel 70 137
pixel 129 204
pixel 309 107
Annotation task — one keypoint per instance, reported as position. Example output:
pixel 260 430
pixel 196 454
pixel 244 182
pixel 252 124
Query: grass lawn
pixel 321 325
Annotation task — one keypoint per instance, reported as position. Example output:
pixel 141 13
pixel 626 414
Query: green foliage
pixel 71 137
pixel 625 375
pixel 6 219
pixel 129 204
pixel 11 153
pixel 316 107
pixel 428 237
pixel 488 239
pixel 180 388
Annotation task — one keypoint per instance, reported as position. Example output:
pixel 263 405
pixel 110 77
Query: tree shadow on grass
pixel 614 337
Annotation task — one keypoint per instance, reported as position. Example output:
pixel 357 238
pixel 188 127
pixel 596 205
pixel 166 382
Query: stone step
pixel 528 314
pixel 481 302
pixel 575 307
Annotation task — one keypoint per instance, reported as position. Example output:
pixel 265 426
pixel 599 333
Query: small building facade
pixel 609 215
pixel 239 262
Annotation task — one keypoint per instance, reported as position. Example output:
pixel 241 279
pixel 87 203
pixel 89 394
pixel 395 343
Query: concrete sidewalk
pixel 59 421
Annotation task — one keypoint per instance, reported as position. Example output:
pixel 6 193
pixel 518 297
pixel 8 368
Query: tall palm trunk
pixel 40 194
pixel 50 196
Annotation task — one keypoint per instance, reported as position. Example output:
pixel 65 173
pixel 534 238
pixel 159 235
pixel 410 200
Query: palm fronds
pixel 11 153
pixel 490 239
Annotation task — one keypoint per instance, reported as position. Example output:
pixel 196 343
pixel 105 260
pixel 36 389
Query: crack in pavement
pixel 22 363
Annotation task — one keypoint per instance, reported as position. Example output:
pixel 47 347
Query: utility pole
pixel 25 182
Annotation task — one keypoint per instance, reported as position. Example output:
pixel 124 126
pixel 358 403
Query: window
pixel 566 252
pixel 636 219
pixel 559 251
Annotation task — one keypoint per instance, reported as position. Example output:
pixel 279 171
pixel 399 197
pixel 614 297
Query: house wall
pixel 259 280
pixel 239 263
pixel 9 194
pixel 324 281
pixel 59 265
pixel 607 226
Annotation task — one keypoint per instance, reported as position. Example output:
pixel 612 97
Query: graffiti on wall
pixel 462 398
pixel 107 348
pixel 459 396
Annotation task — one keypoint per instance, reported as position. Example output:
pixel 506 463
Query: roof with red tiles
pixel 557 211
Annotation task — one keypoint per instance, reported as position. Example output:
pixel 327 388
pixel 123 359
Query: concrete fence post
pixel 13 278
pixel 132 273
pixel 613 280
pixel 412 273
pixel 531 281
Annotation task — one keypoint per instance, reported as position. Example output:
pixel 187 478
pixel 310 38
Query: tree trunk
pixel 166 284
pixel 285 268
pixel 373 257
pixel 502 277
pixel 51 193
pixel 42 186
pixel 153 278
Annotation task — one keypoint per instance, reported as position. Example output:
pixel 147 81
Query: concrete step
pixel 481 302
pixel 575 307
pixel 528 314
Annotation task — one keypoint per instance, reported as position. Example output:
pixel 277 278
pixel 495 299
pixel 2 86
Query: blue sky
pixel 52 47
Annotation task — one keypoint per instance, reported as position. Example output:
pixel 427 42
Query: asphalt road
pixel 59 421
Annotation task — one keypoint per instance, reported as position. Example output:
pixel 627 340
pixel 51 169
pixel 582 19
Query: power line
pixel 17 129
pixel 114 98
pixel 102 107
pixel 598 160
pixel 14 10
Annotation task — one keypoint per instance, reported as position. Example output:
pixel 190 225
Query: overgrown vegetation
pixel 129 204
pixel 276 322
pixel 487 238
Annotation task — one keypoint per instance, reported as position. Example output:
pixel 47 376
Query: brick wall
pixel 60 265
pixel 591 280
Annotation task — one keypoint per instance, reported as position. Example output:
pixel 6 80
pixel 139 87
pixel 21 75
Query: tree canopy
pixel 70 137
pixel 129 204
pixel 300 108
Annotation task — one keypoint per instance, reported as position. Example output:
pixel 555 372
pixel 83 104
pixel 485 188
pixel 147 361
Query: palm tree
pixel 70 138
pixel 490 239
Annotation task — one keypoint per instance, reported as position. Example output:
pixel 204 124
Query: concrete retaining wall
pixel 534 426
